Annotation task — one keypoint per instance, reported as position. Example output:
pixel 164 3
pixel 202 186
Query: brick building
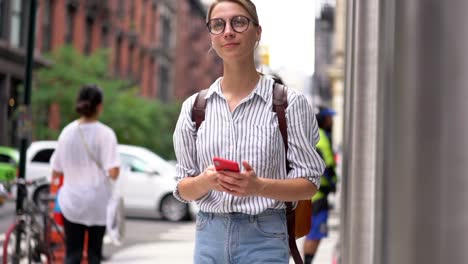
pixel 196 67
pixel 161 45
pixel 13 34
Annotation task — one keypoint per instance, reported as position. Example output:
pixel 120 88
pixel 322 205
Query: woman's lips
pixel 228 45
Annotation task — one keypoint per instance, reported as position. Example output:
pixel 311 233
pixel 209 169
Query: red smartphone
pixel 224 164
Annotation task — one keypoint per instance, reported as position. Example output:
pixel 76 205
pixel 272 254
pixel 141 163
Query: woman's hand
pixel 245 183
pixel 209 178
pixel 114 173
pixel 194 188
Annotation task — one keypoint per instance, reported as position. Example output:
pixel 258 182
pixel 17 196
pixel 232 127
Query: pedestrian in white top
pixel 242 216
pixel 88 159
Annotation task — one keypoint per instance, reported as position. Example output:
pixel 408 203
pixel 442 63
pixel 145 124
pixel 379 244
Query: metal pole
pixel 361 132
pixel 426 142
pixel 406 133
pixel 25 117
pixel 24 110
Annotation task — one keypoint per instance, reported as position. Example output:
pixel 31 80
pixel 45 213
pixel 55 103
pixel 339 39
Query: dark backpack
pixel 298 220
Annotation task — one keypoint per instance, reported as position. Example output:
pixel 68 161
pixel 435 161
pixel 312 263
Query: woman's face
pixel 232 45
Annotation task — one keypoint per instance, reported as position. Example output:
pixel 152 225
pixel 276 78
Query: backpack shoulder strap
pixel 280 103
pixel 198 108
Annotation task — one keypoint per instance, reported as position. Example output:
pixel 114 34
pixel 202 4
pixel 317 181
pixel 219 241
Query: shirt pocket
pixel 260 145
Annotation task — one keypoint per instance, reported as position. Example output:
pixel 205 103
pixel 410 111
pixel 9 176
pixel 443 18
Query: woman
pixel 242 215
pixel 87 157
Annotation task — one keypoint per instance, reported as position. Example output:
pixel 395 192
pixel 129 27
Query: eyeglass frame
pixel 230 23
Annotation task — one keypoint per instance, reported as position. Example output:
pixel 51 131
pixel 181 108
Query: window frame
pixel 47 28
pixel 89 26
pixel 70 18
pixel 40 152
pixel 3 24
pixel 164 83
pixel 16 38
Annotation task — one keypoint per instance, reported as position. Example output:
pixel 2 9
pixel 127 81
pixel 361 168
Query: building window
pixel 104 37
pixel 132 11
pixel 131 56
pixel 70 24
pixel 166 33
pixel 141 66
pixel 153 26
pixel 13 103
pixel 121 8
pixel 132 15
pixel 143 17
pixel 89 36
pixel 150 76
pixel 16 23
pixel 118 57
pixel 47 26
pixel 163 83
pixel 2 18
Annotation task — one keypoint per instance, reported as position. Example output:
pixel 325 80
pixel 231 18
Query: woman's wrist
pixel 262 186
pixel 202 183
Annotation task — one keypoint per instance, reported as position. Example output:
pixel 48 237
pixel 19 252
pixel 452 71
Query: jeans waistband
pixel 237 215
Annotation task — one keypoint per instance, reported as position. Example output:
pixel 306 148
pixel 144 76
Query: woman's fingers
pixel 228 184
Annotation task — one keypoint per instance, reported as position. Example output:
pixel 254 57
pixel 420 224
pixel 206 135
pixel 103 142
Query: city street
pixel 139 231
pixel 151 240
pixel 176 246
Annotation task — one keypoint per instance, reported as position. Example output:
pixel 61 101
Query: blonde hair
pixel 246 4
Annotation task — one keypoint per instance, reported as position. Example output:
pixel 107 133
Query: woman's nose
pixel 228 31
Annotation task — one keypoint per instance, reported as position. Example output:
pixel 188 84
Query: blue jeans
pixel 238 238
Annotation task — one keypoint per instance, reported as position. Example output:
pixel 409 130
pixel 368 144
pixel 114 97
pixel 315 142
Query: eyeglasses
pixel 239 24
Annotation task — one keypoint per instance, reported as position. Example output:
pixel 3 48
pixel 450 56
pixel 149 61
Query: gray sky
pixel 288 31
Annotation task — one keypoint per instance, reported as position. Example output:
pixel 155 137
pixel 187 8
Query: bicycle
pixel 35 244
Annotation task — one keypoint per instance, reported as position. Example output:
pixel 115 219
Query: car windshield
pixel 153 160
pixel 9 156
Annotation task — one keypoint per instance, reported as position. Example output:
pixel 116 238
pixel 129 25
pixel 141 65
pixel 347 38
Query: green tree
pixel 136 120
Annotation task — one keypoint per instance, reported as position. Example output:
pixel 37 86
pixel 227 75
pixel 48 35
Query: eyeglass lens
pixel 238 23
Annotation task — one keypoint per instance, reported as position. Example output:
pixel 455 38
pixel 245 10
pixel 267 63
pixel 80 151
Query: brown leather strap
pixel 198 109
pixel 291 221
pixel 280 103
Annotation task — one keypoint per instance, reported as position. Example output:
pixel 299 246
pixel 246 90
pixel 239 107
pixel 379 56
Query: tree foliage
pixel 135 119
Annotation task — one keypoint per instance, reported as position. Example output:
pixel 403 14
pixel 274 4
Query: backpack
pixel 298 220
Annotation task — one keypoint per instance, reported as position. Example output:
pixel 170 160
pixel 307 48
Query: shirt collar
pixel 263 88
pixel 214 88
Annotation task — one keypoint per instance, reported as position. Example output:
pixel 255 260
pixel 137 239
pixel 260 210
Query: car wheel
pixel 173 209
pixel 41 196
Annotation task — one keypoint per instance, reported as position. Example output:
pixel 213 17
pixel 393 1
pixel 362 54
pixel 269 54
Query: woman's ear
pixel 259 33
pixel 100 108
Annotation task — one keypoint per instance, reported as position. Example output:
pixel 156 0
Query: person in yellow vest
pixel 319 229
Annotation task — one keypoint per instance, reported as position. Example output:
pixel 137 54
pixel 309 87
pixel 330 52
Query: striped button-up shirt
pixel 251 133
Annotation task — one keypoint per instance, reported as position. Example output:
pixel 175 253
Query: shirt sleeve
pixel 185 137
pixel 303 135
pixel 109 154
pixel 55 161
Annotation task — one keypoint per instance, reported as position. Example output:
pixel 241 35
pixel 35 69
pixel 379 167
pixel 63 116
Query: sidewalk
pixel 181 252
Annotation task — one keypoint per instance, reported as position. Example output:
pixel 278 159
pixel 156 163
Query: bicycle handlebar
pixel 34 182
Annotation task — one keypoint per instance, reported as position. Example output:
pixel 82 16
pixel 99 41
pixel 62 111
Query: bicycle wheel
pixel 10 254
pixel 30 247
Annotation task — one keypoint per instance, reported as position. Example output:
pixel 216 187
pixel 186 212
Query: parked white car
pixel 147 181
